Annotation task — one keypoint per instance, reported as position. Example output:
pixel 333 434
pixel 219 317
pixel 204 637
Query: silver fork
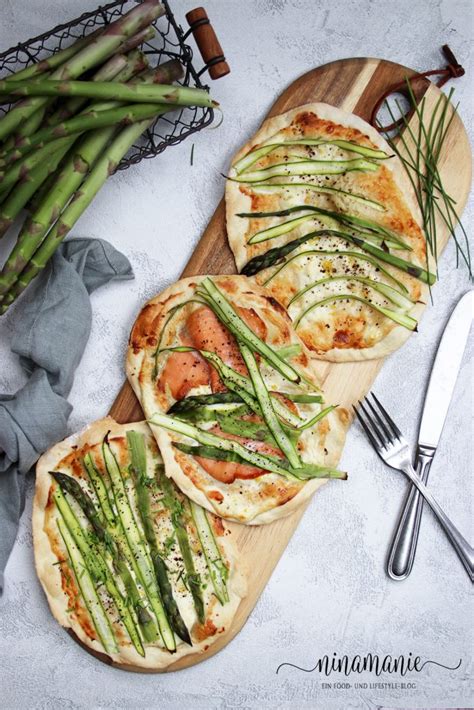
pixel 393 448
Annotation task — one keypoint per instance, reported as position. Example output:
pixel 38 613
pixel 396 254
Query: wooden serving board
pixel 353 85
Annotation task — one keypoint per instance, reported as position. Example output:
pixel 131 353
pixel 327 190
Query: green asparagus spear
pixel 210 452
pixel 351 221
pixel 106 550
pixel 256 153
pixel 107 535
pixel 137 450
pixel 399 299
pixel 74 489
pixel 169 602
pixel 22 168
pixel 100 489
pixel 306 167
pixel 305 472
pixel 210 413
pixel 266 405
pixel 190 404
pixel 93 560
pixel 40 194
pixel 233 423
pixel 215 564
pixel 136 40
pixel 87 587
pixel 262 188
pixel 304 398
pixel 176 95
pixel 93 53
pixel 137 544
pixel 223 398
pixel 173 504
pixel 276 256
pixel 229 415
pixel 117 537
pixel 317 417
pixel 241 427
pixel 58 58
pixel 408 267
pixel 27 128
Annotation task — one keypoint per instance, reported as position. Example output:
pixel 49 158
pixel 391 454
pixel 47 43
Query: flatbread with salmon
pixel 321 213
pixel 136 570
pixel 233 398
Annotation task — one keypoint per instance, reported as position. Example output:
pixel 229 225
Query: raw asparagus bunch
pixel 88 120
pixel 121 67
pixel 84 169
pixel 126 66
pixel 63 137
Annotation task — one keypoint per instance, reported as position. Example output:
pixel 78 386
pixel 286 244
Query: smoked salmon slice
pixel 183 372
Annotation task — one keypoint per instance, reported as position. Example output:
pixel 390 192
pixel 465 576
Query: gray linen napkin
pixel 51 326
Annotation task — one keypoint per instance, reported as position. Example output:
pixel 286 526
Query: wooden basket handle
pixel 207 42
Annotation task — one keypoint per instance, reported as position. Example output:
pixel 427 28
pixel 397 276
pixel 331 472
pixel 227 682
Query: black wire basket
pixel 168 43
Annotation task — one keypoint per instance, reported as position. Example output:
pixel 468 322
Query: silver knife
pixel 437 399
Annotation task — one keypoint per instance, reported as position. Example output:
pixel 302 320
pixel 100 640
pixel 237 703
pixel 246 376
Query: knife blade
pixel 438 396
pixel 445 372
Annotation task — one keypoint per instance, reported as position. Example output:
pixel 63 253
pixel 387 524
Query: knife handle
pixel 403 549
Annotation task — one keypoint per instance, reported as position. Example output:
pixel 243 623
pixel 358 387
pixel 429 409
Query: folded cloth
pixel 51 326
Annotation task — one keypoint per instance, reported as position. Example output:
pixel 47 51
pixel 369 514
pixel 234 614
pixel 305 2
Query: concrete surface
pixel 329 593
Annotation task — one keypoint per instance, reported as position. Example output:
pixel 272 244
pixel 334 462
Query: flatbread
pixel 343 330
pixel 60 584
pixel 258 500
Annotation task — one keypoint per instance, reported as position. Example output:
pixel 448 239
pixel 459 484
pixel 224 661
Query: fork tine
pixel 377 430
pixel 388 419
pixel 365 427
pixel 379 419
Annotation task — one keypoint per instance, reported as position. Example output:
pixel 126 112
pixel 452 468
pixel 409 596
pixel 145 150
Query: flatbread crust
pixel 218 618
pixel 364 335
pixel 253 502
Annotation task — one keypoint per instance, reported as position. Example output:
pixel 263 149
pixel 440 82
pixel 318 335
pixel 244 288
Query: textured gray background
pixel 329 593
